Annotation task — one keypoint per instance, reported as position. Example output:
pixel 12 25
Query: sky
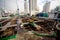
pixel 11 4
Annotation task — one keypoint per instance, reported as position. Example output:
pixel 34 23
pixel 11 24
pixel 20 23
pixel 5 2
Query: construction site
pixel 32 25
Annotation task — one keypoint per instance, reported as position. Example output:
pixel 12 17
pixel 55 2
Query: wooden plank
pixel 4 28
pixel 7 25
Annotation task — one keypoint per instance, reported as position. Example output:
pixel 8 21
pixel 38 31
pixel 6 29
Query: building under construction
pixel 28 26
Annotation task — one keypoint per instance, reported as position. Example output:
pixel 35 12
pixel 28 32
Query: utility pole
pixel 18 18
pixel 19 29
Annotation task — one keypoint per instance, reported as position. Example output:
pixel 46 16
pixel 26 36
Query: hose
pixel 49 35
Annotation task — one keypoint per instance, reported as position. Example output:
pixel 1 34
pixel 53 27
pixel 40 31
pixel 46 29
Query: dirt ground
pixel 30 36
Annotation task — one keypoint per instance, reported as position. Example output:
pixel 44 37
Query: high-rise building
pixel 32 6
pixel 46 7
pixel 0 14
pixel 25 6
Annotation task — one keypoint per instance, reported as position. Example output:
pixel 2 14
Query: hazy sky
pixel 11 4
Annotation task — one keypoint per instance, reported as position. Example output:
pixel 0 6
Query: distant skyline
pixel 53 4
pixel 11 4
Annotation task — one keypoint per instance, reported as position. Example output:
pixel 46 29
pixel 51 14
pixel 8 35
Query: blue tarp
pixel 42 15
